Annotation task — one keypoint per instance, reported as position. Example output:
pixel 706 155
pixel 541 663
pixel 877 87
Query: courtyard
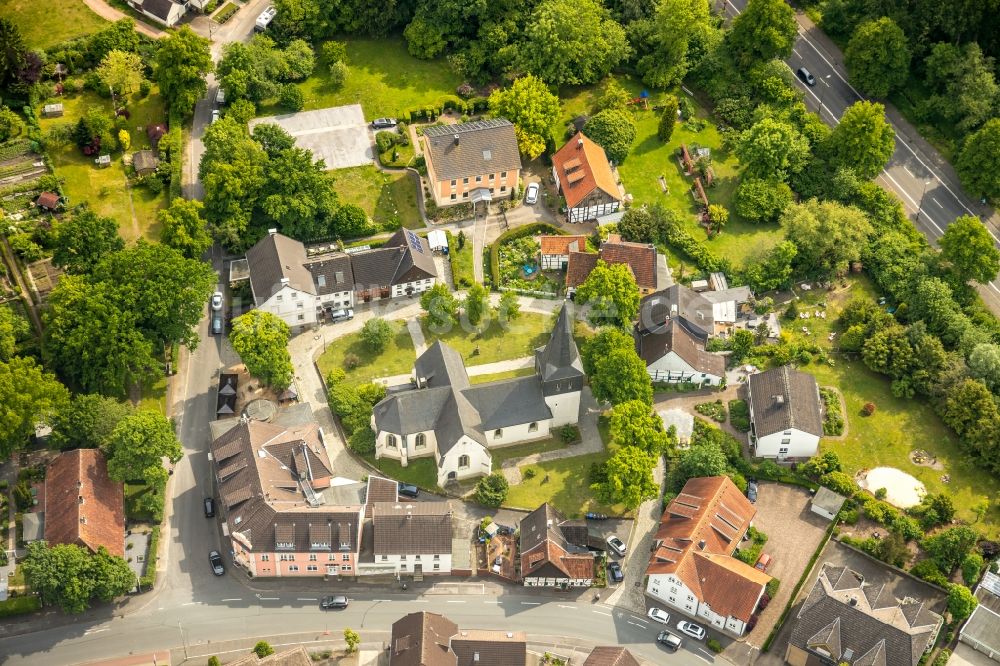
pixel 338 135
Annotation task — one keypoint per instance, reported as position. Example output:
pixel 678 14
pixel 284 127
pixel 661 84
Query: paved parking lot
pixel 339 135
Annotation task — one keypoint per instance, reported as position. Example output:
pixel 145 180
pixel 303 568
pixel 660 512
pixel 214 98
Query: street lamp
pixel 920 206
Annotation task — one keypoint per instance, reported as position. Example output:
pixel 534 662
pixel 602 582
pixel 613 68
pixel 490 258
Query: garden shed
pixel 52 111
pixel 827 503
pixel 48 200
pixel 438 241
pixel 145 162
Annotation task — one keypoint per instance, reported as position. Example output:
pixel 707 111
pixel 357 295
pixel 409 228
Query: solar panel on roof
pixel 414 241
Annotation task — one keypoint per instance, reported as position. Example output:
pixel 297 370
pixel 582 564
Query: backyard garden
pixel 519 268
pixel 363 365
pixel 498 341
pixel 389 198
pixel 45 23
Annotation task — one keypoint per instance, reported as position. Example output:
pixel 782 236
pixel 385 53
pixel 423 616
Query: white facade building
pixel 786 414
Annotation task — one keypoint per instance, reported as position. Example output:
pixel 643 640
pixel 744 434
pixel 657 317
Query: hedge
pixel 19 606
pixel 446 103
pixel 519 232
pixel 148 581
pixel 176 141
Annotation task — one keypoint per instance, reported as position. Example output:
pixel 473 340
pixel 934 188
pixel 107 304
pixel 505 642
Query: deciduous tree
pixel 968 247
pixel 509 308
pixel 863 140
pixel 979 161
pixel 629 478
pixel 352 639
pixel 610 293
pixel 984 364
pixel 601 345
pixel 878 57
pixel 949 547
pixel 614 131
pixel 773 270
pixel 760 200
pixel 961 602
pixel 441 307
pixel 772 149
pixel 29 395
pixel 122 72
pixel 827 235
pixel 13 328
pixel 83 240
pixel 183 60
pixel 764 30
pixel 297 196
pixel 966 88
pixel 678 28
pixel 183 228
pixel 492 490
pixel 633 423
pixel 376 334
pixel 87 421
pixel 476 304
pixel 620 377
pixel 261 340
pixel 10 123
pixel 232 172
pixel 66 575
pixel 532 108
pixel 137 446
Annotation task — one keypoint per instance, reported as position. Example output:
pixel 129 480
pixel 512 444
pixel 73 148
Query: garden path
pixel 417 335
pixel 106 11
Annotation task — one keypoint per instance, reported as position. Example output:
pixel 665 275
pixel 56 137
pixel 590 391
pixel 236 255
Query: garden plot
pixel 19 165
pixel 337 135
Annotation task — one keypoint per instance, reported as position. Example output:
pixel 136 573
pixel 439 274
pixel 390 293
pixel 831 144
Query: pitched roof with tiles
pixel 422 639
pixel 579 267
pixel 698 532
pixel 852 620
pixel 483 147
pixel 276 257
pixel 546 550
pixel 405 257
pixel 582 167
pixel 611 655
pixel 678 302
pixel 332 274
pixel 654 344
pixel 562 245
pixel 414 528
pixel 639 257
pixel 159 8
pixel 481 647
pixel 48 200
pixel 784 398
pixel 83 505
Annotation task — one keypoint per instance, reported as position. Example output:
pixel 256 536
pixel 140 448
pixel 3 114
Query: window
pixel 437 567
pixel 503 188
pixel 402 567
pixel 465 195
pixel 479 179
pixel 533 427
pixel 331 557
pixel 265 558
pixel 491 190
pixel 421 440
pixel 295 294
pixel 312 558
pixel 331 569
pixel 293 567
pixel 785 442
pixel 437 557
pixel 390 441
pixel 453 182
pixel 416 557
pixel 278 298
pixel 312 567
pixel 385 558
pixel 498 433
pixel 787 432
pixel 346 557
pixel 453 196
pixel 503 174
pixel 345 567
pixel 493 176
pixel 465 181
pixel 463 462
pixel 402 558
pixel 783 451
pixel 302 317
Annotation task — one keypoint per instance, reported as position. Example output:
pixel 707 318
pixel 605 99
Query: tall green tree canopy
pixel 764 30
pixel 634 423
pixel 68 576
pixel 180 66
pixel 964 83
pixel 298 196
pixel 614 131
pixel 978 162
pixel 706 459
pixel 441 307
pixel 122 72
pixel 828 235
pixel 968 247
pixel 87 421
pixel 532 108
pixel 571 42
pixel 629 478
pixel 620 377
pixel 610 294
pixel 138 444
pixel 863 140
pixel 678 29
pixel 608 339
pixel 13 328
pixel 83 240
pixel 232 172
pixel 772 149
pixel 29 395
pixel 12 50
pixel 261 340
pixel 183 228
pixel 878 57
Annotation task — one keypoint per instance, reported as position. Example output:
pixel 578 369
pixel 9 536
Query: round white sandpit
pixel 902 490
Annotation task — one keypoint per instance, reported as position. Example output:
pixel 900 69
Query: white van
pixel 265 19
pixel 220 96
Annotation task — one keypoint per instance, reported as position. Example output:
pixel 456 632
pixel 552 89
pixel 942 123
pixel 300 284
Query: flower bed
pixel 513 256
pixel 714 410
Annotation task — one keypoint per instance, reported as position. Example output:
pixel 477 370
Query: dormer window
pixel 284 545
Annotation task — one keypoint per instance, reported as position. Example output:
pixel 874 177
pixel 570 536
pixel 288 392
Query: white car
pixel 617 545
pixel 693 630
pixel 215 115
pixel 217 301
pixel 531 194
pixel 658 615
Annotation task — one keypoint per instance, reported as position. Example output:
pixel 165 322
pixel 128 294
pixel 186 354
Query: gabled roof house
pixel 585 179
pixel 648 267
pixel 472 162
pixel 431 639
pixel 786 414
pixel 554 550
pixel 83 505
pixel 674 355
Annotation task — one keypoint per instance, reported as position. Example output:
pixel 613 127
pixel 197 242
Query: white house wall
pixel 340 299
pixel 517 434
pixel 539 581
pixel 565 408
pixel 587 213
pixel 672 369
pixel 669 590
pixel 798 444
pixel 416 287
pixel 406 447
pixel 554 262
pixel 296 308
pixel 406 563
pixel 480 462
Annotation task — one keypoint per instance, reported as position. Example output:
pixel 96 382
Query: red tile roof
pixel 698 532
pixel 561 245
pixel 579 266
pixel 48 200
pixel 639 257
pixel 582 167
pixel 83 505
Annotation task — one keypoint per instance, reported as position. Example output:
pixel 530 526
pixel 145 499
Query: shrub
pixel 839 483
pixel 972 566
pixel 213 660
pixel 569 433
pixel 714 645
pixel 833 419
pixel 492 490
pixel 529 473
pixel 362 441
pixel 881 493
pixel 351 361
pixel 385 140
pixel 929 571
pixel 868 409
pixel 291 97
pixel 263 649
pixel 942 658
pixel 376 334
pixel 772 587
pixel 739 415
pixel 714 410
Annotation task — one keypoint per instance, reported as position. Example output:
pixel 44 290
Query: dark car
pixel 408 490
pixel 669 641
pixel 216 561
pixel 384 123
pixel 806 77
pixel 615 572
pixel 752 490
pixel 209 507
pixel 216 328
pixel 333 601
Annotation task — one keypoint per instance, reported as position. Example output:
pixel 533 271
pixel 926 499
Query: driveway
pixel 338 135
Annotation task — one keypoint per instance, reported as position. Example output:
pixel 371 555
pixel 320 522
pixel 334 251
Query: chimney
pixel 579 143
pixel 701 545
pixel 779 399
pixel 456 139
pixel 271 232
pixel 673 310
pixel 854 601
pixel 284 281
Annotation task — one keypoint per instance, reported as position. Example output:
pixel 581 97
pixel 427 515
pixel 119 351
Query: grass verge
pixel 397 359
pixel 555 443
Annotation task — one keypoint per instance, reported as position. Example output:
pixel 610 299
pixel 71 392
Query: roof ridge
pixel 787 385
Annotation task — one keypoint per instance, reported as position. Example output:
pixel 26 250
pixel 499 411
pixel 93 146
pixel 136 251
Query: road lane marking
pixel 796 53
pixel 190 603
pixel 909 172
pixel 307 599
pixel 937 202
pixel 492 601
pixel 636 624
pixel 907 195
pixel 564 606
pixel 600 612
pixel 234 599
pixel 270 598
pixel 993 284
pixel 381 600
pixel 531 603
pixel 454 601
pixel 421 601
pixel 88 632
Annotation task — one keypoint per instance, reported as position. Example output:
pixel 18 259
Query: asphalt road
pixel 923 179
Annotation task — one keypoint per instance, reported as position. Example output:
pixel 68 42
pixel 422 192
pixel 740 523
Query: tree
pixel 961 602
pixel 760 200
pixel 13 328
pixel 773 270
pixel 441 307
pixel 183 228
pixel 82 241
pixel 263 649
pixel 972 567
pixel 676 32
pixel 87 421
pixel 338 73
pixel 668 118
pixel 137 446
pixel 968 247
pixel 772 149
pixel 66 575
pixel 971 411
pixel 298 60
pixel 214 661
pixel 492 490
pixel 376 334
pixel 741 344
pixel 232 172
pixel 333 51
pixel 182 61
pixel 613 96
pixel 261 340
pixel 10 124
pixel 718 217
pixel 532 108
pixel 352 639
pixel 950 546
pixel 765 30
pixel 121 71
pixel 614 131
pixel 966 90
pixel 273 138
pixel 706 459
pixel 607 340
pixel 621 376
pixel 291 97
pixel 476 304
pixel 29 395
pixel 12 51
pixel 571 42
pixel 509 308
pixel 634 423
pixel 984 364
pixel 863 140
pixel 119 36
pixel 629 478
pixel 610 293
pixel 878 57
pixel 297 196
pixel 423 39
pixel 827 235
pixel 124 139
pixel 978 162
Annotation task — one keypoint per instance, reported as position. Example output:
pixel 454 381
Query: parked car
pixel 384 123
pixel 669 641
pixel 752 490
pixel 617 545
pixel 216 323
pixel 693 630
pixel 531 194
pixel 408 490
pixel 217 301
pixel 658 615
pixel 333 601
pixel 343 314
pixel 220 96
pixel 216 561
pixel 806 77
pixel 615 572
pixel 215 115
pixel 209 507
pixel 763 562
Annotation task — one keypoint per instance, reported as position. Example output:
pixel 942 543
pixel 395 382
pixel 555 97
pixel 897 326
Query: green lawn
pixel 421 472
pixel 134 208
pixel 397 359
pixel 390 199
pixel 496 376
pixel 384 78
pixel 462 270
pixel 134 493
pixel 404 155
pixel 524 335
pixel 19 606
pixel 45 23
pixel 521 450
pixel 564 484
pixel 154 396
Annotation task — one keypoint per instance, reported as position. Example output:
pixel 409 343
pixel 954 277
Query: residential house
pixel 672 354
pixel 164 12
pixel 414 537
pixel 786 417
pixel 679 303
pixel 827 503
pixel 555 250
pixel 585 180
pixel 848 619
pixel 649 268
pixel 727 306
pixel 82 504
pixel 982 630
pixel 692 568
pixel 554 550
pixel 431 639
pixel 457 423
pixel 611 655
pixel 472 162
pixel 298 289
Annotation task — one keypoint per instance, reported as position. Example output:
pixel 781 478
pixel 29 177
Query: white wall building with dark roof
pixel 982 630
pixel 786 414
pixel 413 537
